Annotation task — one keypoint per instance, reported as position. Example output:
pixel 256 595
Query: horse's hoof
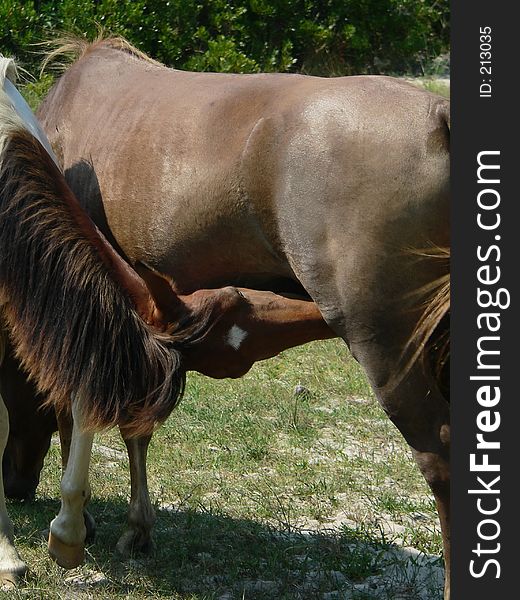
pixel 12 568
pixel 10 577
pixel 66 556
pixel 8 581
pixel 134 542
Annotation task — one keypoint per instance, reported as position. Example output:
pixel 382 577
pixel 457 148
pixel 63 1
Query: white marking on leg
pixel 69 526
pixel 10 563
pixel 235 336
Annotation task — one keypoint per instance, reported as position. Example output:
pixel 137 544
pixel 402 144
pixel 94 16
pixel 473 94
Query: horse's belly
pixel 195 258
pixel 198 230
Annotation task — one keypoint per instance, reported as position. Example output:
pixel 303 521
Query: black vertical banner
pixel 485 348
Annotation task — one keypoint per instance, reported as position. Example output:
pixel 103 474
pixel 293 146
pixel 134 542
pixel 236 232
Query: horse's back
pixel 212 176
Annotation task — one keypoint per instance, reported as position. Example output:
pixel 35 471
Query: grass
pixel 260 493
pixel 434 85
pixel 437 87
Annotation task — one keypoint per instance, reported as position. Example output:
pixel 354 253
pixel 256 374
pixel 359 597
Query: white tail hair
pixel 15 113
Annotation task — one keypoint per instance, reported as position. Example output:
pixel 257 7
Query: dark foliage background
pixel 327 37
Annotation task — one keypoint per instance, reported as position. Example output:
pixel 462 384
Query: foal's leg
pixel 65 425
pixel 68 531
pixel 11 567
pixel 141 516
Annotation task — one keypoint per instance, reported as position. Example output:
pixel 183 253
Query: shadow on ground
pixel 202 554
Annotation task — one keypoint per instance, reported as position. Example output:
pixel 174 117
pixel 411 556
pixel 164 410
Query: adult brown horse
pixel 325 187
pixel 86 327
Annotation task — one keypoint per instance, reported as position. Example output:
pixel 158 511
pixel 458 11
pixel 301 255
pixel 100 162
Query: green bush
pixel 313 36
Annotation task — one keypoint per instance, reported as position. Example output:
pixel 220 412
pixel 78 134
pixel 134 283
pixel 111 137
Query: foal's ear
pixel 168 304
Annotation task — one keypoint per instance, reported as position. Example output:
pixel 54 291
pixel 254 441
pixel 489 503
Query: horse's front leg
pixel 68 531
pixel 11 567
pixel 141 517
pixel 65 425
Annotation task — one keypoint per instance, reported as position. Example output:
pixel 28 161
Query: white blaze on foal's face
pixel 235 336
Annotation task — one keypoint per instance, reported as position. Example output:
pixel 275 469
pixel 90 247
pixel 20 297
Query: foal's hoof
pixel 134 542
pixel 11 568
pixel 8 581
pixel 66 556
pixel 9 578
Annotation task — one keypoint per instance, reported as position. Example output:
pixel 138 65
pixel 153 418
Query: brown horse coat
pixel 217 179
pixel 321 186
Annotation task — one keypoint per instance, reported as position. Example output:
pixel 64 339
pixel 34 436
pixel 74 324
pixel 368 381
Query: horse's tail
pixel 430 339
pixel 74 328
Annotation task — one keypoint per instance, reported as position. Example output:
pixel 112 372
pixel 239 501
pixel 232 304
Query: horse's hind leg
pixel 141 515
pixel 11 567
pixel 422 415
pixel 373 307
pixel 411 398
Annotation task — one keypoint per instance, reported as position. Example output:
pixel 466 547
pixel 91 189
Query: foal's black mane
pixel 74 329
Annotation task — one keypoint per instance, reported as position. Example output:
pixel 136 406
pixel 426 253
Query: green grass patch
pixel 35 90
pixel 260 492
pixel 437 87
pixel 432 84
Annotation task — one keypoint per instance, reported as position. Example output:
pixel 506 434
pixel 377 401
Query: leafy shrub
pixel 314 36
